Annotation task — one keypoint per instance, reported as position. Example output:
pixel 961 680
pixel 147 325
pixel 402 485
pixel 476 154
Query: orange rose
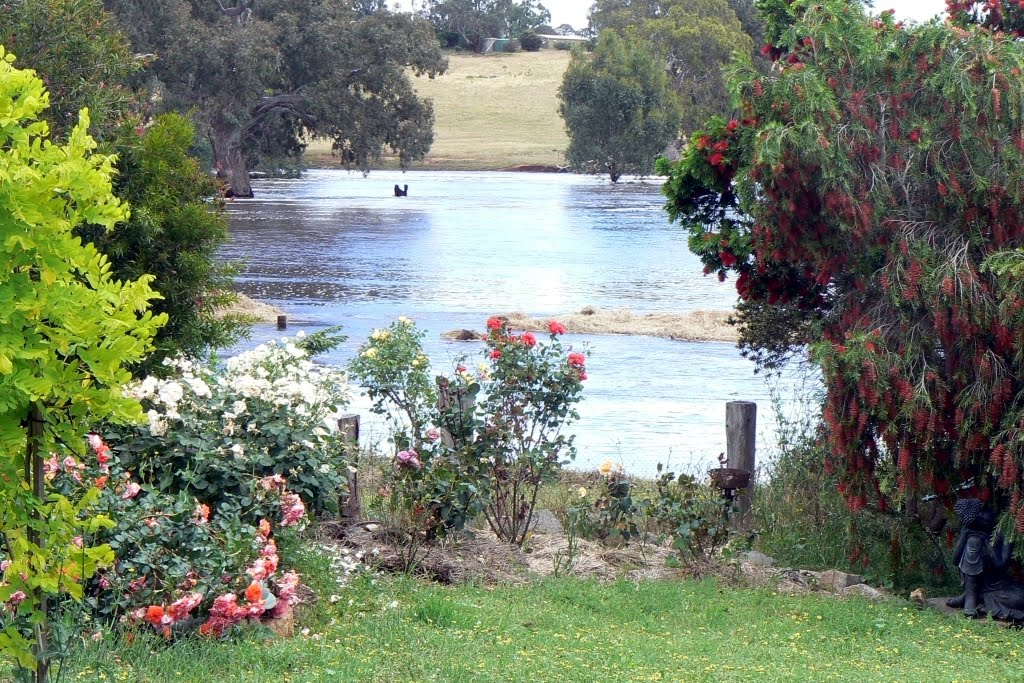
pixel 254 593
pixel 154 614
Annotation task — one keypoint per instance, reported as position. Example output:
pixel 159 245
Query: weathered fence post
pixel 740 431
pixel 349 504
pixel 456 408
pixel 282 322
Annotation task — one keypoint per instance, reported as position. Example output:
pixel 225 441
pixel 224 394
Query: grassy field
pixel 493 111
pixel 568 630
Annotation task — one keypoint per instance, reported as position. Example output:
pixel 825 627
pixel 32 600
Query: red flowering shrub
pixel 871 175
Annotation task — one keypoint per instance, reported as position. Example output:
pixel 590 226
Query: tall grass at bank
pixel 802 521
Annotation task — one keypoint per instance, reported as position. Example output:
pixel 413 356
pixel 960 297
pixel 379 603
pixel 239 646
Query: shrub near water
pixel 458 456
pixel 215 428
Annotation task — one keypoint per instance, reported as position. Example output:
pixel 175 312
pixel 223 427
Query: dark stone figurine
pixel 400 191
pixel 983 566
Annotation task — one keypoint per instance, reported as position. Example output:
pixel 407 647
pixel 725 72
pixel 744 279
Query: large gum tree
pixel 280 72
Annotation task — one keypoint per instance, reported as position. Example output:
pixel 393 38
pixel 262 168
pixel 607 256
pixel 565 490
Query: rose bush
pixel 484 440
pixel 216 428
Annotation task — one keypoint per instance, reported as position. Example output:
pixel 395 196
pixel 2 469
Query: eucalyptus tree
pixel 280 72
pixel 618 108
pixel 695 38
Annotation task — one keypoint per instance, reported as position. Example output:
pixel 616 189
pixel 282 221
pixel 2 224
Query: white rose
pixel 170 393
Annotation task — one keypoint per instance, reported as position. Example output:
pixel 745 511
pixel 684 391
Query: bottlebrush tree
pixel 858 198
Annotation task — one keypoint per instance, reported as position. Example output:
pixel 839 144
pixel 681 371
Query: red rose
pixel 555 327
pixel 529 339
pixel 495 354
pixel 576 360
pixel 583 376
pixel 494 323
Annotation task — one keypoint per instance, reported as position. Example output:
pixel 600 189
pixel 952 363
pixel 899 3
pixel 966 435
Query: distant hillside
pixel 493 111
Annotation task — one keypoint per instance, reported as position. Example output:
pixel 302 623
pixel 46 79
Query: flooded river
pixel 337 248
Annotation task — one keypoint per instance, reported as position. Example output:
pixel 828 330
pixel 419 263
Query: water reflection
pixel 338 248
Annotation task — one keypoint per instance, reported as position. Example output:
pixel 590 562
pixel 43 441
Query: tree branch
pixel 235 11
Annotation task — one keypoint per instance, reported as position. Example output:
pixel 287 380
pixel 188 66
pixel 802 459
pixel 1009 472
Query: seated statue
pixel 983 566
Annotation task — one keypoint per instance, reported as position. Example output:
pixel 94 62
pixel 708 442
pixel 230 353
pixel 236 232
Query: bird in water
pixel 401 192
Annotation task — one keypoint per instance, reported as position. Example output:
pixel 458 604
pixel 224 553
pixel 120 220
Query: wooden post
pixel 282 322
pixel 349 504
pixel 740 432
pixel 456 408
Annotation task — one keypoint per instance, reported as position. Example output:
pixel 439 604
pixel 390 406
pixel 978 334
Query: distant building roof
pixel 555 36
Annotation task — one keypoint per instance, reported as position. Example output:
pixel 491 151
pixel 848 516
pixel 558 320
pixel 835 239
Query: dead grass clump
pixel 688 326
pixel 251 309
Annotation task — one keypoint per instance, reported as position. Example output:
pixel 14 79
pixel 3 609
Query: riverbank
pixel 492 112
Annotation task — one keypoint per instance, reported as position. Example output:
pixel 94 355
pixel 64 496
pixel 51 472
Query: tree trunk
pixel 227 151
pixel 35 479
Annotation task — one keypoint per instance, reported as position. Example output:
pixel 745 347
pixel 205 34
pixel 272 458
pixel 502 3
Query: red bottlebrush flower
pixel 720 146
pixel 555 327
pixel 915 135
pixel 495 354
pixel 716 159
pixel 792 59
pixel 758 88
pixel 494 323
pixel 728 258
pixel 1019 523
pixel 767 49
pixel 703 142
pixel 732 126
pixel 529 339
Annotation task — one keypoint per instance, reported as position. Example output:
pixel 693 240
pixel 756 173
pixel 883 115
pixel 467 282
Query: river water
pixel 338 248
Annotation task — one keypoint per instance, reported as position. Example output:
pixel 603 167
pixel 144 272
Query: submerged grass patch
pixel 399 629
pixel 690 326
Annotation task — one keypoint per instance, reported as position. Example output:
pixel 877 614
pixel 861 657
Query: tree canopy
pixel 618 108
pixel 66 331
pixel 695 38
pixel 864 201
pixel 279 72
pixel 472 21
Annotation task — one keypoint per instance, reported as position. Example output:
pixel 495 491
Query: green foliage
pixel 694 517
pixel 870 217
pixel 472 21
pixel 530 41
pixel 618 109
pixel 173 235
pixel 272 74
pixel 694 39
pixel 76 49
pixel 66 329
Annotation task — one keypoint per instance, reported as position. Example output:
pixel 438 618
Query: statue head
pixel 975 515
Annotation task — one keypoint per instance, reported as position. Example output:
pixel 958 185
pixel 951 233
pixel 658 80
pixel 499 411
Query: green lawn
pixel 567 630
